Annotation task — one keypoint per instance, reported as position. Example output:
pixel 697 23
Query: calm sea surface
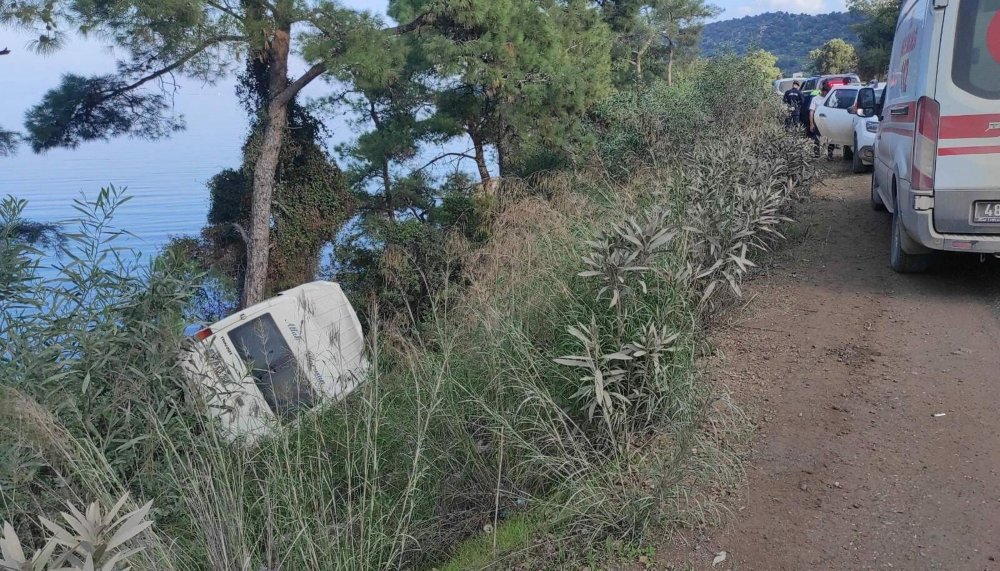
pixel 166 179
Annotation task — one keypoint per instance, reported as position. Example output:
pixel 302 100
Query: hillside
pixel 788 36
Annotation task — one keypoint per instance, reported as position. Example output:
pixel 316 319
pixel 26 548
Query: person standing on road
pixel 814 133
pixel 805 98
pixel 793 99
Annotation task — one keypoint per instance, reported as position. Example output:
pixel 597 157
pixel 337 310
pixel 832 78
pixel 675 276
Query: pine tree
pixel 515 76
pixel 652 34
pixel 202 39
pixel 311 198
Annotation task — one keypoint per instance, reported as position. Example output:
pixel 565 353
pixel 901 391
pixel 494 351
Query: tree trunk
pixel 390 211
pixel 506 148
pixel 484 171
pixel 275 124
pixel 503 169
pixel 386 173
pixel 670 64
pixel 639 53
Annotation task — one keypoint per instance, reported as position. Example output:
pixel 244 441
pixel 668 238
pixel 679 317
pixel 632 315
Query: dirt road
pixel 878 401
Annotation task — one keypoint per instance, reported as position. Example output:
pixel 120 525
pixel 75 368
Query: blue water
pixel 166 178
pixel 166 181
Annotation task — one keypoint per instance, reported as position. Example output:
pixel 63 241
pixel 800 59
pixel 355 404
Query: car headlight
pixel 871 126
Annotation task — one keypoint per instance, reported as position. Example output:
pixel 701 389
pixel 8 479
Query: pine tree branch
pixel 319 69
pixel 183 60
pixel 225 9
pixel 296 86
pixel 444 156
pixel 415 24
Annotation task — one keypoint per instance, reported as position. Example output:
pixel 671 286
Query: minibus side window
pixel 273 365
pixel 976 65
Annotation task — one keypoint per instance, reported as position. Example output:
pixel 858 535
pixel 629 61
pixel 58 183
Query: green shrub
pixel 717 100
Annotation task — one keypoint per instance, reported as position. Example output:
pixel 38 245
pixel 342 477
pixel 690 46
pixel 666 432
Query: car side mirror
pixel 866 102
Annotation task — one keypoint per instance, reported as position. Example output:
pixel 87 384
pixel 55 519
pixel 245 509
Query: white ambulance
pixel 278 358
pixel 937 151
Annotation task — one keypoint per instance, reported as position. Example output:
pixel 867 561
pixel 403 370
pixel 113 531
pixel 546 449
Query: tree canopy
pixel 512 76
pixel 8 142
pixel 651 34
pixel 765 62
pixel 875 34
pixel 835 56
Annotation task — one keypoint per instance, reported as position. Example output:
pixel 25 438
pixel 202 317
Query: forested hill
pixel 788 36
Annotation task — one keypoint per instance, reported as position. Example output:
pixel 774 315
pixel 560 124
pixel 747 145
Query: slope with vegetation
pixel 788 36
pixel 552 380
pixel 535 321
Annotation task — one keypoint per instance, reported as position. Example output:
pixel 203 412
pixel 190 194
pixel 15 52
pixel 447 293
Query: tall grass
pixel 560 379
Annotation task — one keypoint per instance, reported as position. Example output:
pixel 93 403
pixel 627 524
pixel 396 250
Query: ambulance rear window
pixel 976 65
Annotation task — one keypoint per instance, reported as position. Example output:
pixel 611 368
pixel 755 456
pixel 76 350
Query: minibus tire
pixel 899 260
pixel 876 199
pixel 857 167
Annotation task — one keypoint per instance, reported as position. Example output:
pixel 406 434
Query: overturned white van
pixel 278 358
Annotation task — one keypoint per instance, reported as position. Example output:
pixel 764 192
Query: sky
pixel 739 8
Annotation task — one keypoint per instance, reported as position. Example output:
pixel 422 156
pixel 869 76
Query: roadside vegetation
pixel 535 367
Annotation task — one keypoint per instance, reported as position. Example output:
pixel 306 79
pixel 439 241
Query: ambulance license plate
pixel 986 213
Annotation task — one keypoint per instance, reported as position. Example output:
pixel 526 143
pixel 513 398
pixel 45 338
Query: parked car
pixel 784 84
pixel 814 83
pixel 835 118
pixel 276 359
pixel 937 151
pixel 865 129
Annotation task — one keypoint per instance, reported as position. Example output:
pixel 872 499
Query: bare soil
pixel 876 397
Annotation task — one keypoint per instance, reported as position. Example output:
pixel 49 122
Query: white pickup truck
pixel 841 123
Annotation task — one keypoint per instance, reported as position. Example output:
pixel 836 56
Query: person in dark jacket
pixel 814 103
pixel 809 90
pixel 793 99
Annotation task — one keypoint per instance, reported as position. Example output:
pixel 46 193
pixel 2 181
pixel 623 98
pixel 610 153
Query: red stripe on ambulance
pixel 959 151
pixel 970 126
